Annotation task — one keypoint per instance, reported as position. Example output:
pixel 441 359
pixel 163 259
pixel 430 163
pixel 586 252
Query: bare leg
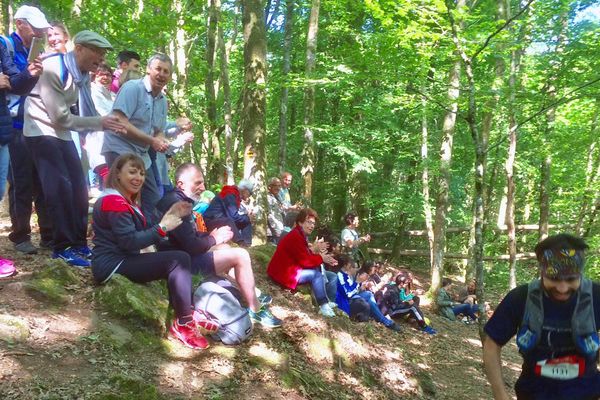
pixel 238 261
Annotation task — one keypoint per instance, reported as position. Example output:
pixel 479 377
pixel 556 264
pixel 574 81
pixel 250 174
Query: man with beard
pixel 555 319
pixel 189 185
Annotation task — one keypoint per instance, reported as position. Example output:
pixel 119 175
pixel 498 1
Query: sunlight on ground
pixel 288 315
pixel 473 342
pixel 269 356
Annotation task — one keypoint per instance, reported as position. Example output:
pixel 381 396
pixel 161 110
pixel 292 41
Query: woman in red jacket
pixel 294 263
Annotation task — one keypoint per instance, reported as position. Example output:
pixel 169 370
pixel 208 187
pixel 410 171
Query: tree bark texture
pixel 308 154
pixel 254 107
pixel 283 104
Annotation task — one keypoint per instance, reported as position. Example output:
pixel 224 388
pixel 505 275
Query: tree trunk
pixel 283 105
pixel 308 153
pixel 425 176
pixel 551 93
pixel 254 107
pixel 592 172
pixel 229 177
pixel 214 153
pixel 443 183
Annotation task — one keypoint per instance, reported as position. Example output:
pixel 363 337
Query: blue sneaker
pixel 71 257
pixel 428 330
pixel 84 252
pixel 265 318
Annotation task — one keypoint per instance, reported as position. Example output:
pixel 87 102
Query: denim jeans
pixel 466 309
pixel 375 311
pixel 315 278
pixel 4 159
pixel 331 285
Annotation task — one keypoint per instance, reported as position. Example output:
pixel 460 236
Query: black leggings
pixel 174 266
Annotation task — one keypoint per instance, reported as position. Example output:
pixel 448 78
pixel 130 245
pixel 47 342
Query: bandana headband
pixel 562 264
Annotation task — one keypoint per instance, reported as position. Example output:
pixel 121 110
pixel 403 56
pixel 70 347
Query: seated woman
pixel 294 263
pixel 399 300
pixel 349 293
pixel 350 238
pixel 450 308
pixel 226 209
pixel 121 231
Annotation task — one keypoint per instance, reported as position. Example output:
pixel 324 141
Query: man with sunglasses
pixel 555 319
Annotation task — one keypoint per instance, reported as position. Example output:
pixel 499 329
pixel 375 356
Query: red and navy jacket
pixel 120 230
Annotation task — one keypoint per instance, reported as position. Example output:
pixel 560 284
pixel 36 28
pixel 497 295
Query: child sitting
pixel 399 301
pixel 349 294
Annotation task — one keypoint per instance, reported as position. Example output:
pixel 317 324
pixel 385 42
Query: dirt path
pixel 76 348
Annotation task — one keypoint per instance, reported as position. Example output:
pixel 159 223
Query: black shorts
pixel 204 264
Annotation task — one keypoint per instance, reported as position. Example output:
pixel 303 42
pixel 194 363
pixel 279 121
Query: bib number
pixel 563 368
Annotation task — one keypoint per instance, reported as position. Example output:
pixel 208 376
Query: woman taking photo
pixel 121 232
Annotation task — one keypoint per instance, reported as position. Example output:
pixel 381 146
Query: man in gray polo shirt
pixel 142 107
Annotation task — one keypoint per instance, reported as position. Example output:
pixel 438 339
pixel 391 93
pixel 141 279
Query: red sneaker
pixel 204 324
pixel 188 335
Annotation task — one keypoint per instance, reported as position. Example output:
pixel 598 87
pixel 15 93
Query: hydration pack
pixel 583 323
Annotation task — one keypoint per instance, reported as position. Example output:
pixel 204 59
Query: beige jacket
pixel 47 108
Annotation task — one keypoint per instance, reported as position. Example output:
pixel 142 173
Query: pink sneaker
pixel 7 268
pixel 188 335
pixel 203 323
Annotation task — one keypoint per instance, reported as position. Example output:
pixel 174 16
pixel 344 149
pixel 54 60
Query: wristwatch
pixel 162 230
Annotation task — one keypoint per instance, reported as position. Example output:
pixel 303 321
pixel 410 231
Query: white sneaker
pixel 332 304
pixel 326 311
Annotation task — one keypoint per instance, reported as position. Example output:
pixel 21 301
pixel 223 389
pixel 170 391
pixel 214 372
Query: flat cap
pixel 92 39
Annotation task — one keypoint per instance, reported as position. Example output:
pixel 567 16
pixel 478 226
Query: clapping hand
pixel 173 217
pixel 222 234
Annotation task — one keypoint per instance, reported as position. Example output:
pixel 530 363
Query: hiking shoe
pixel 71 257
pixel 395 327
pixel 7 268
pixel 25 247
pixel 326 311
pixel 188 335
pixel 265 318
pixel 84 252
pixel 332 304
pixel 428 330
pixel 204 325
pixel 265 299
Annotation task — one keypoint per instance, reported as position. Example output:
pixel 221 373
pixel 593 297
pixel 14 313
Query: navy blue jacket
pixel 21 84
pixel 186 236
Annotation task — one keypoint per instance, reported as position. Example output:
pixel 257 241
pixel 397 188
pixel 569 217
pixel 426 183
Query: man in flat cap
pixel 24 182
pixel 556 321
pixel 48 125
pixel 142 106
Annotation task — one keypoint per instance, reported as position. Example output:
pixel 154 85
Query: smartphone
pixel 36 48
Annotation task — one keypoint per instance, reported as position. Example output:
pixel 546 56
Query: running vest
pixel 583 324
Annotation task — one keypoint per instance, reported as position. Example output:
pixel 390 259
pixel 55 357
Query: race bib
pixel 563 368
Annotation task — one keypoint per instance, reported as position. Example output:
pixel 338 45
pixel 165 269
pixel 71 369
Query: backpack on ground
pixel 219 300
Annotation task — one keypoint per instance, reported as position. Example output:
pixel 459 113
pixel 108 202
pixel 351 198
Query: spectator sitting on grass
pixel 450 308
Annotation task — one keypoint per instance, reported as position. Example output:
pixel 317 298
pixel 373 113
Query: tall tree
pixel 283 102
pixel 308 154
pixel 254 122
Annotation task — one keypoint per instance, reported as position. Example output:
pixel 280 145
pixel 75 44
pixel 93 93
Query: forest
pixel 460 131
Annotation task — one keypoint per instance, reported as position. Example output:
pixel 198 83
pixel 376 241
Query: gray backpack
pixel 217 299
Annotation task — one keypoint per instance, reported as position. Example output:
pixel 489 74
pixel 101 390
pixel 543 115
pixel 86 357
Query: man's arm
pixel 158 143
pixel 493 368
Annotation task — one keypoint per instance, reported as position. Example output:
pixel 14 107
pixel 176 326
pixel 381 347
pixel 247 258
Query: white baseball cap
pixel 34 16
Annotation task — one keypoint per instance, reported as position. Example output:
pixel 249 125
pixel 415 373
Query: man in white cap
pixel 24 185
pixel 48 126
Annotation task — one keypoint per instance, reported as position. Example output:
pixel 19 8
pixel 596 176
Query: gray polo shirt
pixel 145 112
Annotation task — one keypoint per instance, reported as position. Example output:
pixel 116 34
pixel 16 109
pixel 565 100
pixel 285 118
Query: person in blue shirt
pixel 555 319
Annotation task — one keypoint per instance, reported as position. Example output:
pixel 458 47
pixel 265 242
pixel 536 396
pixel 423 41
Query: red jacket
pixel 291 256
